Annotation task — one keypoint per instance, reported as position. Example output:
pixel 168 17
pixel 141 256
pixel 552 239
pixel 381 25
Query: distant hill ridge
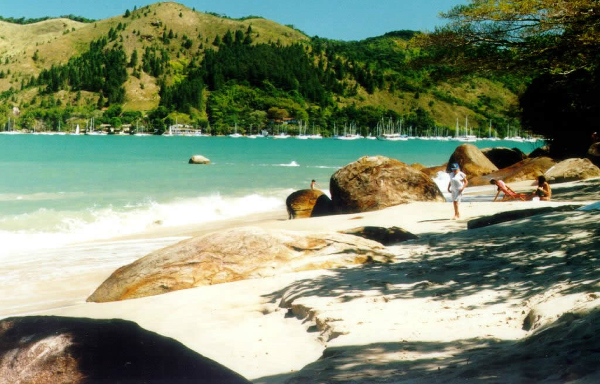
pixel 23 20
pixel 166 43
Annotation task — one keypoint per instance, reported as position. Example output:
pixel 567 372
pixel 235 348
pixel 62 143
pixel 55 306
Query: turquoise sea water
pixel 66 188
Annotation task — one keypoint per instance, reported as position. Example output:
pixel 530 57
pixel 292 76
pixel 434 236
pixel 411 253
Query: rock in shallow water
pixel 198 159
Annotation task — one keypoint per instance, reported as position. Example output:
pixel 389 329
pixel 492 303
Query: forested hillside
pixel 164 63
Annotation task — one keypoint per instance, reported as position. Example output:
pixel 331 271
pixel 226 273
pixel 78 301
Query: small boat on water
pixel 281 135
pixel 235 133
pixel 90 129
pixel 10 131
pixel 251 135
pixel 349 133
pixel 467 138
pixel 302 132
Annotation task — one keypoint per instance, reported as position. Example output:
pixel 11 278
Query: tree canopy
pixel 543 36
pixel 556 43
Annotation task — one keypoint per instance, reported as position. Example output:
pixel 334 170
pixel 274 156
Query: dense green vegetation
pixel 235 78
pixel 553 42
pixel 257 84
pixel 101 70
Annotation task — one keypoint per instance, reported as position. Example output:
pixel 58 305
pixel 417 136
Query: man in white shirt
pixel 456 186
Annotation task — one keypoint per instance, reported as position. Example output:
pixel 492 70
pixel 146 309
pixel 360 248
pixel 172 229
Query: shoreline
pixel 102 257
pixel 268 329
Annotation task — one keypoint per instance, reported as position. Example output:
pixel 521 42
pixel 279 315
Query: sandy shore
pixel 452 306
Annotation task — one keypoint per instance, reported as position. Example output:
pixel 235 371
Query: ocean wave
pixel 442 179
pixel 323 167
pixel 39 196
pixel 292 164
pixel 47 228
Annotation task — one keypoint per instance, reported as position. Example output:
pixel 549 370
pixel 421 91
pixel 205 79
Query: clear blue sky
pixel 334 19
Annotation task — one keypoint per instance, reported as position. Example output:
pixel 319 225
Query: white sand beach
pixel 455 303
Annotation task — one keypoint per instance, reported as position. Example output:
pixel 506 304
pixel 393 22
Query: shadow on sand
pixel 509 258
pixel 564 351
pixel 518 260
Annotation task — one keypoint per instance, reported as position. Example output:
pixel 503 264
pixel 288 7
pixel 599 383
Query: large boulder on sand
pixel 198 159
pixel 48 349
pixel 433 171
pixel 418 166
pixel 503 157
pixel 376 182
pixel 385 236
pixel 528 169
pixel 594 153
pixel 471 161
pixel 571 170
pixel 540 152
pixel 308 203
pixel 236 254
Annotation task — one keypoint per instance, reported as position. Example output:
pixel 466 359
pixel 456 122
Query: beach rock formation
pixel 417 166
pixel 571 170
pixel 198 159
pixel 308 203
pixel 503 157
pixel 376 182
pixel 385 236
pixel 540 152
pixel 236 254
pixel 433 171
pixel 471 161
pixel 528 169
pixel 48 349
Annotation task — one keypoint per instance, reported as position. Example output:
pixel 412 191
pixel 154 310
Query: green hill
pixel 165 62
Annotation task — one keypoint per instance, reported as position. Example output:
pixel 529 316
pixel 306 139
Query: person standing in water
pixel 313 184
pixel 456 186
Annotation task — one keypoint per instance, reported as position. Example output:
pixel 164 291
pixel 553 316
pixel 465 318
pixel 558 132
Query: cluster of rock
pixel 516 166
pixel 368 184
pixel 377 182
pixel 512 165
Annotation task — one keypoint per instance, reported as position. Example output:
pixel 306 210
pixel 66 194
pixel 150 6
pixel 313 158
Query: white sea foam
pixel 292 164
pixel 442 179
pixel 323 167
pixel 38 196
pixel 49 228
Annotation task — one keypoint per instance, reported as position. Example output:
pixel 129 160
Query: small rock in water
pixel 199 159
